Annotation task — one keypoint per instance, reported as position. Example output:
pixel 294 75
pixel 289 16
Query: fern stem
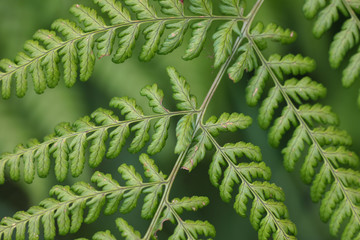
pixel 305 126
pixel 165 198
pixel 204 105
pixel 247 23
pixel 244 180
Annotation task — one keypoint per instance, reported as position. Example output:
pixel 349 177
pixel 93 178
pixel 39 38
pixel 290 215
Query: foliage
pixel 289 107
pixel 346 38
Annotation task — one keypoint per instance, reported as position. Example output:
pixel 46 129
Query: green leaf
pixel 49 38
pixel 172 7
pixel 29 167
pixel 311 7
pixel 256 86
pixel 341 156
pixel 69 60
pixel 223 42
pixel 118 139
pixel 126 230
pixel 88 17
pixel 189 203
pixel 322 179
pixel 268 190
pixel 107 183
pixel 141 130
pixel 326 18
pixel 151 170
pixel 197 39
pixel 254 170
pixel 115 10
pixel 195 228
pixel 159 137
pixel 241 149
pixel 272 32
pixel 128 107
pixel 151 201
pixel 175 38
pixel 52 73
pixel 268 107
pixel 184 132
pixel 241 199
pixel 201 7
pixel 97 147
pixel 181 91
pixel 291 64
pixel 20 76
pixel 227 184
pixel 36 70
pixel 134 179
pixel 78 147
pixel 343 41
pixel 197 152
pixel 233 7
pixel 304 89
pixel 103 236
pixel 48 219
pixel 87 57
pixel 318 113
pixel 247 61
pixel 281 125
pixel 215 169
pixel 332 136
pixel 352 70
pixel 142 9
pixel 42 157
pixel 227 122
pixel 155 97
pixel 152 39
pixel 311 162
pixel 294 148
pixel 127 40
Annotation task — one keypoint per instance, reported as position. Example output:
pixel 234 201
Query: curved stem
pixel 165 198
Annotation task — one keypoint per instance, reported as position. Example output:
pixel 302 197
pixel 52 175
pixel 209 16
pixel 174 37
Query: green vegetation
pixel 230 109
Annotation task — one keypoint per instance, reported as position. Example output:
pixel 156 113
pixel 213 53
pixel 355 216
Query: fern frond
pixel 69 144
pixel 68 205
pixel 267 208
pixel 315 126
pixel 344 39
pixel 78 44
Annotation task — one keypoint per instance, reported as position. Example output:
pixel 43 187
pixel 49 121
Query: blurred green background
pixel 36 115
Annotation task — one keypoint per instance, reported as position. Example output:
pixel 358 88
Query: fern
pixel 74 44
pixel 85 131
pixel 68 205
pixel 69 51
pixel 345 39
pixel 312 125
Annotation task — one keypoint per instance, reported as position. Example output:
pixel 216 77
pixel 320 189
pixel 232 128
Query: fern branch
pixel 77 45
pixel 71 201
pixel 329 171
pixel 67 140
pixel 344 40
pixel 281 230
